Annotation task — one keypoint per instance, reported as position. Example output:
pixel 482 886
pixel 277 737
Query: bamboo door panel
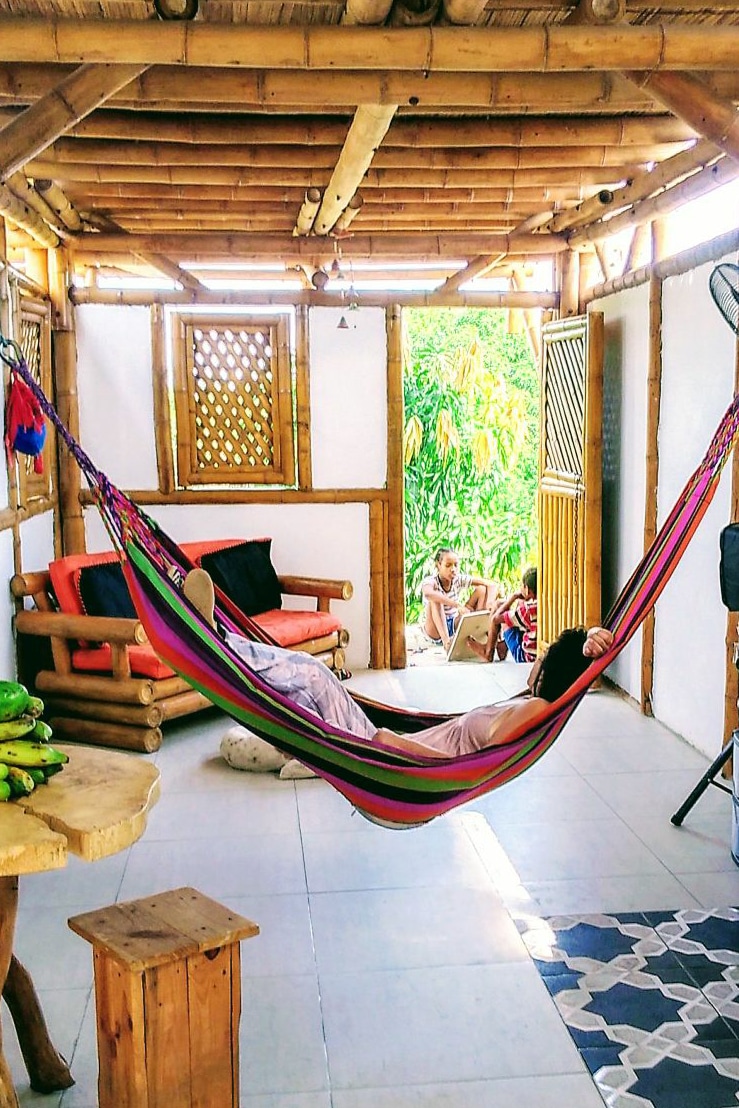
pixel 569 580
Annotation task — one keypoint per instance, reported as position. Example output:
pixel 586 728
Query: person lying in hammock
pixel 310 683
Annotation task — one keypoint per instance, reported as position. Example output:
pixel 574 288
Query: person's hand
pixel 598 641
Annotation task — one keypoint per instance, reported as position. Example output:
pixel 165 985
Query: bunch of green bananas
pixel 26 759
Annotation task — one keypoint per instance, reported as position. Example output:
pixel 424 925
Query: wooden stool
pixel 168 1000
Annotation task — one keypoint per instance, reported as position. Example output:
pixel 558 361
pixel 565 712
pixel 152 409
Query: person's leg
pixel 434 623
pixel 514 641
pixel 484 598
pixel 487 649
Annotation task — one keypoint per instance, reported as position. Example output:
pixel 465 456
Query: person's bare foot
pixel 478 648
pixel 198 588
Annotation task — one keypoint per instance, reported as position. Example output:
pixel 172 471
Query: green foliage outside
pixel 471 395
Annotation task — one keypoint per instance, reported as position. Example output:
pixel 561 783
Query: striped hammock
pixel 388 786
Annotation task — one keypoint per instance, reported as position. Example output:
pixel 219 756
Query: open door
pixel 569 580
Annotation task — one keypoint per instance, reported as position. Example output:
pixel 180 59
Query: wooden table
pixel 95 807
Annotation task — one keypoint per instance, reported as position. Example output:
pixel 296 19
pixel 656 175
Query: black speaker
pixel 729 566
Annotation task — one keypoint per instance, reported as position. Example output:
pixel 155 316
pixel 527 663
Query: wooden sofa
pixel 97 673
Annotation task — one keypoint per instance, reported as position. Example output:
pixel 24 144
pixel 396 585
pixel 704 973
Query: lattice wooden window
pixel 233 401
pixel 34 337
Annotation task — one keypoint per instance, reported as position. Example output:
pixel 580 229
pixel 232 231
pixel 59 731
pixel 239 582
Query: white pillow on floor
pixel 244 750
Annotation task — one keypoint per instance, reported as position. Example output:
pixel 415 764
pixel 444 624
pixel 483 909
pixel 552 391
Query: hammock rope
pixel 385 784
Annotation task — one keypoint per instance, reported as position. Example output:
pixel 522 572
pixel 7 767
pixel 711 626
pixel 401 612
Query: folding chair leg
pixel 706 780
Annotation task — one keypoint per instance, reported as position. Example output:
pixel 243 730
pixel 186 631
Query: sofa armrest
pixel 96 628
pixel 323 589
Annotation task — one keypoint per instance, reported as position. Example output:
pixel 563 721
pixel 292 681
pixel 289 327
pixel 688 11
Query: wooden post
pixel 379 649
pixel 569 269
pixel 302 396
pixel 654 392
pixel 8 913
pixel 162 424
pixel 395 488
pixel 70 509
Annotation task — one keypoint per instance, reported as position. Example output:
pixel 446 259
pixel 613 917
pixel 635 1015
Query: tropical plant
pixel 470 443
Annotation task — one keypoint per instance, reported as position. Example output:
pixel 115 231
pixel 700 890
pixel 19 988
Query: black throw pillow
pixel 104 592
pixel 246 574
pixel 729 566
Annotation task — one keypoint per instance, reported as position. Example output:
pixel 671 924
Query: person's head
pixel 561 665
pixel 528 581
pixel 447 564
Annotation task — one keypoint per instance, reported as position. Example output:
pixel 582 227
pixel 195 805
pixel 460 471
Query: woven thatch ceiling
pixel 420 129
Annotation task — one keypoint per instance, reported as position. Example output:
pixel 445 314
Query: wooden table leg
pixel 47 1070
pixel 8 912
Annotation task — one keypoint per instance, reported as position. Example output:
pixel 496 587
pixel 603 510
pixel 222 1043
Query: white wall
pixel 690 624
pixel 348 396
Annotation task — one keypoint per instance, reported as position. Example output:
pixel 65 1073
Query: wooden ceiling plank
pixel 41 124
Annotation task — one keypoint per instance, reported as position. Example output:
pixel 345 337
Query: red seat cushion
pixel 144 662
pixel 288 628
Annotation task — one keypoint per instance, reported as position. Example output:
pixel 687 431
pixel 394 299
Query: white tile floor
pixel 389 972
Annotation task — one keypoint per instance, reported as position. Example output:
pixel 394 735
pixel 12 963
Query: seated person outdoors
pixel 310 683
pixel 515 618
pixel 442 596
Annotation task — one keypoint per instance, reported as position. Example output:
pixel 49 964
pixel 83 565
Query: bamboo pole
pixel 284 246
pixel 654 396
pixel 279 91
pixel 568 265
pixel 42 123
pixel 350 213
pixel 160 390
pixel 54 197
pixel 714 118
pixel 395 486
pixel 668 201
pixel 367 131
pixel 642 186
pixel 22 189
pixel 59 282
pixel 652 47
pixel 308 211
pixel 302 396
pixel 540 177
pixel 131 297
pixel 362 150
pixel 72 524
pixel 475 268
pixel 379 656
pixel 672 266
pixel 365 12
pixel 173 271
pixel 17 211
pixel 543 130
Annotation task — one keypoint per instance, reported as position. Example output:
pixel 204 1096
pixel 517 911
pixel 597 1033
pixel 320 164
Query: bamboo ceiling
pixel 447 133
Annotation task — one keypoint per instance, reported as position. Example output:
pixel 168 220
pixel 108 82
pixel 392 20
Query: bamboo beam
pixel 47 119
pixel 18 212
pixel 692 101
pixel 67 404
pixel 554 176
pixel 172 270
pixel 55 199
pixel 160 397
pixel 349 214
pixel 652 47
pixel 654 397
pixel 367 131
pixel 364 150
pixel 546 130
pixel 308 210
pixel 131 297
pixel 463 12
pixel 170 88
pixel 643 185
pixel 395 556
pixel 475 268
pixel 668 201
pixel 22 189
pixel 595 12
pixel 284 246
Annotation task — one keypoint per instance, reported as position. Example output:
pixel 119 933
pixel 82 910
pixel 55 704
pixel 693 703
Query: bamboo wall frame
pixel 654 396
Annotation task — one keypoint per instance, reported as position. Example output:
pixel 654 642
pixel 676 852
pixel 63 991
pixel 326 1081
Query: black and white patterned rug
pixel 651 1001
